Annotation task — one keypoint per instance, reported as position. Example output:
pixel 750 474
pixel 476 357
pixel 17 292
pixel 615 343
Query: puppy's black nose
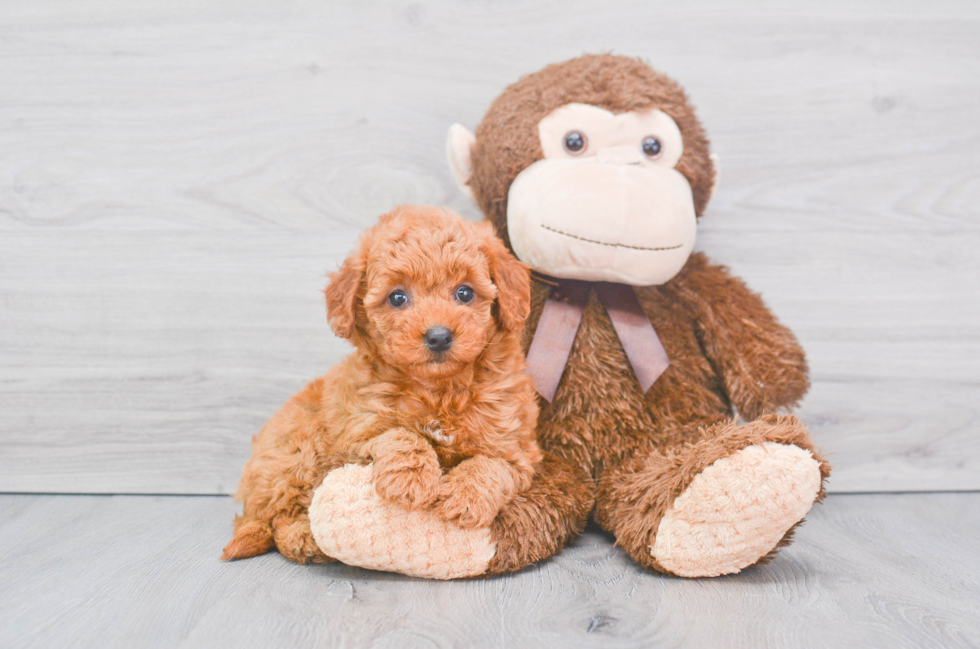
pixel 438 339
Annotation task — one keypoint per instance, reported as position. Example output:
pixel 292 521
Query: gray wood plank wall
pixel 176 178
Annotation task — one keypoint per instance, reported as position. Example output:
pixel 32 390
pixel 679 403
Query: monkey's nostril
pixel 438 339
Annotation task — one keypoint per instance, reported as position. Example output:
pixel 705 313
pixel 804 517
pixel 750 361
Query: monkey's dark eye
pixel 651 147
pixel 398 298
pixel 575 142
pixel 465 294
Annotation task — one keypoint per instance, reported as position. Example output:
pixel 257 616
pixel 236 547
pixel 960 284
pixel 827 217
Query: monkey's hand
pixel 761 362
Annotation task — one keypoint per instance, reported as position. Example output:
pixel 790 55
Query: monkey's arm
pixel 761 362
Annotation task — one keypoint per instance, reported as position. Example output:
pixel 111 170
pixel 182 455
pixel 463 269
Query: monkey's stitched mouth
pixel 631 163
pixel 604 243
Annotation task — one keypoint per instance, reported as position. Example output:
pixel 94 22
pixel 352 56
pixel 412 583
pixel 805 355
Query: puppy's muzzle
pixel 438 339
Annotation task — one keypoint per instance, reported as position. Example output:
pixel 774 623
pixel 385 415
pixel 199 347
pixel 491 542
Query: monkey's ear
pixel 341 295
pixel 459 151
pixel 717 169
pixel 513 280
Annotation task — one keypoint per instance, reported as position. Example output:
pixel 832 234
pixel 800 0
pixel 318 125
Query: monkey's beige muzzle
pixel 602 219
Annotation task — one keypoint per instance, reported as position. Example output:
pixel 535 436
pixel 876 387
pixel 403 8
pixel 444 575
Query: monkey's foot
pixel 351 523
pixel 737 510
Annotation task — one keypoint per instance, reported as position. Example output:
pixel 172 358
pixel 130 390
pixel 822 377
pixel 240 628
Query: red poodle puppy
pixel 435 394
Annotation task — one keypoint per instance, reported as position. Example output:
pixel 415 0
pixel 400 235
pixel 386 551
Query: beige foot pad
pixel 737 510
pixel 352 524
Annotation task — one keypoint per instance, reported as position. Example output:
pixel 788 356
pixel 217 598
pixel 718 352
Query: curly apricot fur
pixel 454 428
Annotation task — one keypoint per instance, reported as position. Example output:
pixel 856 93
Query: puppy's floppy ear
pixel 513 280
pixel 342 293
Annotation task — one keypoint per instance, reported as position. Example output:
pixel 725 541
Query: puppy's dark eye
pixel 465 294
pixel 575 142
pixel 398 299
pixel 651 147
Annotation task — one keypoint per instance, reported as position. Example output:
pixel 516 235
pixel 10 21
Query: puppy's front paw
pixel 469 504
pixel 409 480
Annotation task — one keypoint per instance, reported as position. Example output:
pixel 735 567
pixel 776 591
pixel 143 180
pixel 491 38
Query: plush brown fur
pixel 727 350
pixel 453 431
pixel 634 495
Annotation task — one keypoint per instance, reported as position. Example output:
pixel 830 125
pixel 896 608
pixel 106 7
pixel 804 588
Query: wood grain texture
pixel 890 571
pixel 177 178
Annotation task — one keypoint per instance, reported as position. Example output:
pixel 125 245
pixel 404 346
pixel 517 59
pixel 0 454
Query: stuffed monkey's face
pixel 605 203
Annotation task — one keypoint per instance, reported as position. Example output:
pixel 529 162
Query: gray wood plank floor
pixel 121 571
pixel 176 177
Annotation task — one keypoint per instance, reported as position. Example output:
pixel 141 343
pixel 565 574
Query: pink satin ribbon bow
pixel 553 339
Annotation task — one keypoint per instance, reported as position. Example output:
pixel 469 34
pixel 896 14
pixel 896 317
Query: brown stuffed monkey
pixel 594 172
